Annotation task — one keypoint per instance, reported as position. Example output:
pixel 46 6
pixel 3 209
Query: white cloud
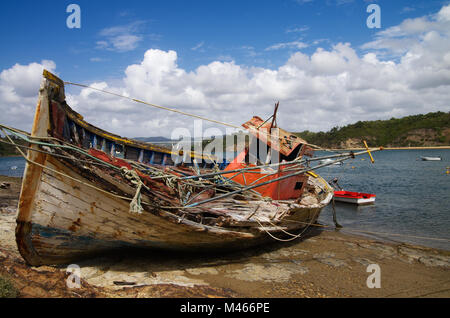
pixel 198 46
pixel 412 34
pixel 122 38
pixel 284 45
pixel 19 86
pixel 316 91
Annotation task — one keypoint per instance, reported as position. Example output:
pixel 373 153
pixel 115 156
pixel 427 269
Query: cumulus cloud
pixel 19 86
pixel 317 91
pixel 413 34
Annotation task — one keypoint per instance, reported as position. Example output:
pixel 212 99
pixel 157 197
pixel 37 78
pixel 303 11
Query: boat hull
pixel 354 197
pixel 70 220
pixel 355 201
pixel 431 158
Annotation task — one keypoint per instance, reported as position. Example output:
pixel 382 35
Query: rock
pixel 284 253
pixel 107 279
pixel 269 273
pixel 410 253
pixel 424 256
pixel 363 261
pixel 440 261
pixel 353 246
pixel 90 272
pixel 202 271
pixel 5 185
pixel 323 255
pixel 383 251
pixel 327 258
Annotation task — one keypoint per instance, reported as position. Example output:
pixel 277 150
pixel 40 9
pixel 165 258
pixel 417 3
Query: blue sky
pixel 239 36
pixel 221 30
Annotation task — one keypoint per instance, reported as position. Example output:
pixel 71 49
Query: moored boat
pixel 431 158
pixel 358 198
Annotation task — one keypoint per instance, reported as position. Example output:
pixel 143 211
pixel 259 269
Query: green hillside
pixel 10 150
pixel 432 129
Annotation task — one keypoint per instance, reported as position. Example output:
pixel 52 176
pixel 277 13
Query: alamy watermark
pixel 226 146
pixel 373 20
pixel 374 279
pixel 74 279
pixel 74 19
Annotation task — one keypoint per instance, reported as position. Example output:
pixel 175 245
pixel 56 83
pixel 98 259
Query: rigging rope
pixel 177 111
pixel 171 180
pixel 133 177
pixel 154 105
pixel 293 237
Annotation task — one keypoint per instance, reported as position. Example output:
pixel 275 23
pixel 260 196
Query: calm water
pixel 12 166
pixel 412 195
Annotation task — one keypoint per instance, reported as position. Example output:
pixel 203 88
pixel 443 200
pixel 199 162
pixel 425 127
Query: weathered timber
pixel 72 206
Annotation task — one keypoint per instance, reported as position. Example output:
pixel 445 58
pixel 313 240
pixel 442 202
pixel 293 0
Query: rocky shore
pixel 324 264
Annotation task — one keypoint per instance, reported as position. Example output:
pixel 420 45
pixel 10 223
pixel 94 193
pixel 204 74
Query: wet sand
pixel 324 264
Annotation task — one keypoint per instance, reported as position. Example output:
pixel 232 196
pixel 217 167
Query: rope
pixel 174 110
pixel 293 237
pixel 61 173
pixel 59 146
pixel 54 154
pixel 171 180
pixel 333 205
pixel 153 105
pixel 85 183
pixel 133 177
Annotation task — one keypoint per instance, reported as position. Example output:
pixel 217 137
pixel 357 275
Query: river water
pixel 412 195
pixel 12 166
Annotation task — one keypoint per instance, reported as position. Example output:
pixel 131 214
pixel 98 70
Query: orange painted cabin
pixel 288 147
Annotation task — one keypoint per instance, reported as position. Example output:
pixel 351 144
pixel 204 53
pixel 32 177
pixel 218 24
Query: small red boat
pixel 354 197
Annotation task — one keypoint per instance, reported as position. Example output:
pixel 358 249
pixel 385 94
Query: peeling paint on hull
pixel 68 223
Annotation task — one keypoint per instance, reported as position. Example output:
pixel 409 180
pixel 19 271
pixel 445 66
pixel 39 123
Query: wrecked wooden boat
pixel 86 191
